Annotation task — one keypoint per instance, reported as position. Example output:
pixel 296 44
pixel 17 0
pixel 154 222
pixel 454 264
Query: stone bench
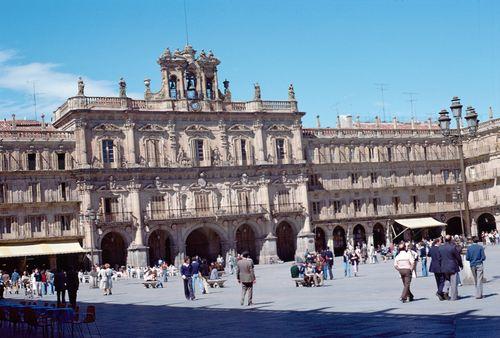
pixel 216 283
pixel 151 284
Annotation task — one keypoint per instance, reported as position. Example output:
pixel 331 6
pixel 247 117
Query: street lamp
pixel 457 137
pixel 91 217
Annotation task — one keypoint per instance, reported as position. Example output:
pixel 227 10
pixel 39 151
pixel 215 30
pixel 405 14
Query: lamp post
pixel 90 217
pixel 456 137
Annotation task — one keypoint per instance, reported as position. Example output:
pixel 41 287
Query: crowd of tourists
pixel 490 237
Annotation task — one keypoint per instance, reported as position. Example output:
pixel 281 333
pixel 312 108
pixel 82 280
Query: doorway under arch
pixel 339 241
pixel 285 242
pixel 359 235
pixel 319 239
pixel 245 241
pixel 486 222
pixel 378 235
pixel 205 243
pixel 114 249
pixel 159 247
pixel 454 226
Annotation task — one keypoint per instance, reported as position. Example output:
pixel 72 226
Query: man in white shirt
pixel 404 263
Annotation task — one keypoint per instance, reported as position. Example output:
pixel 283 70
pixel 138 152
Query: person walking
pixel 347 263
pixel 72 283
pixel 423 258
pixel 404 263
pixel 355 257
pixel 451 263
pixel 246 277
pixel 15 278
pixel 60 286
pixel 475 255
pixel 329 261
pixel 187 274
pixel 195 265
pixel 435 267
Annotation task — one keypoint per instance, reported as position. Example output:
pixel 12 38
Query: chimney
pixel 358 122
pixel 490 113
pixel 338 122
pixel 318 123
pixel 412 123
pixel 348 121
pixel 377 121
pixel 13 120
pixel 430 123
pixel 395 122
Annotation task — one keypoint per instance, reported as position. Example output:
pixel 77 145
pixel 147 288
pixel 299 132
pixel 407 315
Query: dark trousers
pixel 61 296
pixel 439 281
pixel 72 297
pixel 188 288
pixel 330 271
pixel 406 279
pixel 246 287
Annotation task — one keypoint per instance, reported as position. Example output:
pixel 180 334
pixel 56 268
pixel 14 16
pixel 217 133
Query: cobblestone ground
pixel 367 305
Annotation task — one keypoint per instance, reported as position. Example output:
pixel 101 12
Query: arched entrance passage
pixel 114 250
pixel 486 222
pixel 159 247
pixel 245 241
pixel 319 239
pixel 454 226
pixel 204 242
pixel 359 235
pixel 339 241
pixel 285 242
pixel 378 235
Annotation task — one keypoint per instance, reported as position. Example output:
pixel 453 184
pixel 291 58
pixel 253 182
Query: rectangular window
pixel 425 153
pixel 35 223
pixel 389 154
pixel 357 205
pixel 395 202
pixel 3 194
pixel 408 153
pixel 243 148
pixel 61 161
pixel 202 202
pixel 431 198
pixel 200 156
pixel 314 181
pixel 62 189
pixel 370 153
pixel 33 192
pixel 111 205
pixel 283 198
pixel 280 148
pixel 415 201
pixel 337 207
pixel 5 225
pixel 375 202
pixel 351 154
pixel 157 204
pixel 244 201
pixel 354 178
pixel 108 155
pixel 316 208
pixel 32 161
pixel 65 222
pixel 446 175
pixel 373 177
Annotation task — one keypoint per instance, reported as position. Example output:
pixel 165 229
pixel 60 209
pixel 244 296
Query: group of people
pixel 490 238
pixel 42 282
pixel 446 263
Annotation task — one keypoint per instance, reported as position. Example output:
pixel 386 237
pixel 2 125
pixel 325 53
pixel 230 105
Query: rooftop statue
pixel 123 87
pixel 291 92
pixel 256 96
pixel 81 87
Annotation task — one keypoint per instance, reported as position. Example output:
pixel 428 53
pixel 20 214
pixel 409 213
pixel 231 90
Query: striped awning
pixel 423 222
pixel 40 249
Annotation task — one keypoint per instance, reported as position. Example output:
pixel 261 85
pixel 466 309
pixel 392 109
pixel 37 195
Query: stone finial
pixel 81 87
pixel 257 95
pixel 43 121
pixel 377 121
pixel 338 122
pixel 358 121
pixel 123 87
pixel 430 122
pixel 490 113
pixel 291 93
pixel 13 120
pixel 412 123
pixel 395 122
pixel 318 123
pixel 147 90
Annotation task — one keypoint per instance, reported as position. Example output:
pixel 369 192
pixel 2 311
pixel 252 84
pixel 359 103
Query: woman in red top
pixel 44 283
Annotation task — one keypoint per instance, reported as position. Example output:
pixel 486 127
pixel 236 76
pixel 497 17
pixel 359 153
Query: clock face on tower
pixel 195 105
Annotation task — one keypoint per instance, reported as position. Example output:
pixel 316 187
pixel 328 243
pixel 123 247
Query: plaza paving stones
pixel 367 305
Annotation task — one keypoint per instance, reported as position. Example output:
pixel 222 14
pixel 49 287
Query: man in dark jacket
pixel 435 267
pixel 72 284
pixel 451 263
pixel 60 286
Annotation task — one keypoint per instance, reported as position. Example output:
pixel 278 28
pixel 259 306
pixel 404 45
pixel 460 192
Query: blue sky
pixel 333 51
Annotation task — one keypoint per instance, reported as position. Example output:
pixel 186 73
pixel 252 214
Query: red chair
pixel 88 319
pixel 34 322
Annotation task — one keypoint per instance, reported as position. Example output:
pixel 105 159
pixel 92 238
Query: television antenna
pixel 412 100
pixel 382 87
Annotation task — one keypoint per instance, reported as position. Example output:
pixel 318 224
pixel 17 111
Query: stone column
pixel 259 142
pixel 81 144
pixel 497 220
pixel 329 237
pixel 182 88
pixel 298 153
pixel 47 160
pixel 473 227
pixel 130 141
pixel 305 238
pixel 224 141
pixel 137 252
pixel 269 249
pixel 215 86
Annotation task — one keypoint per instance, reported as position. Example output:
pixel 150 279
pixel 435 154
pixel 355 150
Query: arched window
pixel 191 86
pixel 172 86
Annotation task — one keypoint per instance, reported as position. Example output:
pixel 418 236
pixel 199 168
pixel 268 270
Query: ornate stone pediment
pixel 197 128
pixel 239 127
pixel 107 127
pixel 151 127
pixel 278 127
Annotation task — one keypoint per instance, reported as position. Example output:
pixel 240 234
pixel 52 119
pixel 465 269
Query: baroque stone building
pixel 189 171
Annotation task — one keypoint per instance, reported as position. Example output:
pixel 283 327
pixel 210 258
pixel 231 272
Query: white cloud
pixel 53 86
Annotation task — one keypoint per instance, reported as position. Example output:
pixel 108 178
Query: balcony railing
pixel 20 232
pixel 115 217
pixel 287 208
pixel 233 210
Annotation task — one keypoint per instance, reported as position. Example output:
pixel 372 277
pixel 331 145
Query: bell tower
pixel 186 75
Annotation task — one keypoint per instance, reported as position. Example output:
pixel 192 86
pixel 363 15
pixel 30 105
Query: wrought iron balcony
pixel 287 208
pixel 233 210
pixel 115 217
